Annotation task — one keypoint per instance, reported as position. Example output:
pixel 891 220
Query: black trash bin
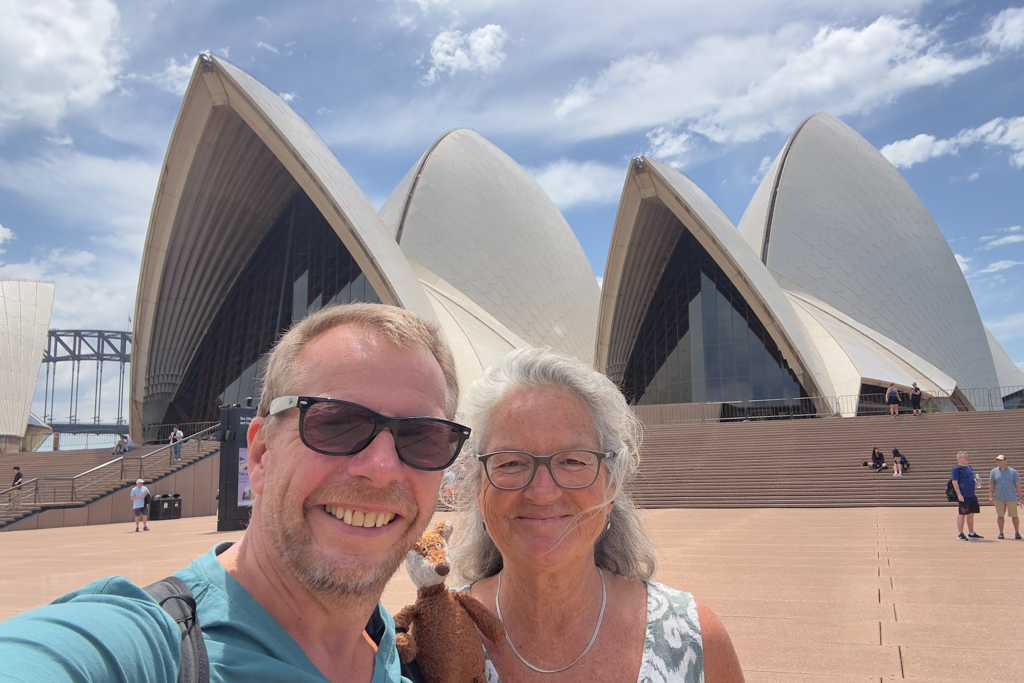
pixel 161 508
pixel 175 509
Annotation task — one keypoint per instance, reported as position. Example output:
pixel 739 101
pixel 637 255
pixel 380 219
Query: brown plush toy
pixel 441 626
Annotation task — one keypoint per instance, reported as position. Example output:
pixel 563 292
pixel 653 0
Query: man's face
pixel 963 460
pixel 295 484
pixel 1001 464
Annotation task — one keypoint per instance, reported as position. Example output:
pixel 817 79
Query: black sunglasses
pixel 334 427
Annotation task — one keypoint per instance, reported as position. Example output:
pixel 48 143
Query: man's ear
pixel 256 436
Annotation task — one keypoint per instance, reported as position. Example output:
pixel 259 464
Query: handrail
pixel 22 487
pixel 82 474
pixel 192 437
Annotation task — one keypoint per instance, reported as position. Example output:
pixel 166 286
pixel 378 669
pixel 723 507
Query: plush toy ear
pixel 445 529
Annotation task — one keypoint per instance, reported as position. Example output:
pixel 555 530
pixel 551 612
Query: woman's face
pixel 543 525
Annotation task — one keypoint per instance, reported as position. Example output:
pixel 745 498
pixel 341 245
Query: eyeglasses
pixel 514 470
pixel 333 427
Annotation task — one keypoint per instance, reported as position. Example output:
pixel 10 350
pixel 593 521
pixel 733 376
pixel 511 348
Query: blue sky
pixel 89 90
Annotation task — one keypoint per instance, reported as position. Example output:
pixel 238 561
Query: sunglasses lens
pixel 338 428
pixel 427 444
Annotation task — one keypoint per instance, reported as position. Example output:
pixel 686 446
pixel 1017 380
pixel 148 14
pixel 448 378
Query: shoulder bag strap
pixel 176 598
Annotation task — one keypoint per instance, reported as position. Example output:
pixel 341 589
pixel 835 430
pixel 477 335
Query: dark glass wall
pixel 700 342
pixel 300 267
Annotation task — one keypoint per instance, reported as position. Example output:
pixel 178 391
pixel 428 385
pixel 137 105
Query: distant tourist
pixel 915 398
pixel 892 397
pixel 121 446
pixel 176 437
pixel 964 480
pixel 877 462
pixel 139 507
pixel 129 444
pixel 1004 493
pixel 16 488
pixel 898 462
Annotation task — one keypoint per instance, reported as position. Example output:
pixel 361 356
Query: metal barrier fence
pixel 962 400
pixel 162 433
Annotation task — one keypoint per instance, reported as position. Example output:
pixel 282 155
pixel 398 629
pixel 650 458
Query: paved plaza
pixel 831 595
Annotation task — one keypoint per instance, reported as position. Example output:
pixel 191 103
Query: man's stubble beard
pixel 292 539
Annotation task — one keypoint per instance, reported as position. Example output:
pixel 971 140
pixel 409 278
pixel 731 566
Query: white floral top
pixel 673 649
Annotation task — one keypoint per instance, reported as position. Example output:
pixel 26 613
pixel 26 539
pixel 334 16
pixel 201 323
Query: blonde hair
pixel 623 548
pixel 399 326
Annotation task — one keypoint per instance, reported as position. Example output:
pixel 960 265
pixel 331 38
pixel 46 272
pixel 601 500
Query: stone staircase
pixel 76 478
pixel 816 462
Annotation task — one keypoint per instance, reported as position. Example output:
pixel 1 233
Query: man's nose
pixel 378 462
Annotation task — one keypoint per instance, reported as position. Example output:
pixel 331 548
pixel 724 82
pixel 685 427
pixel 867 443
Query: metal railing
pixel 111 474
pixel 29 494
pixel 162 433
pixel 961 400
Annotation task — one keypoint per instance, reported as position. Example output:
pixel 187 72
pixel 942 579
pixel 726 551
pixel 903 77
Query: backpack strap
pixel 176 598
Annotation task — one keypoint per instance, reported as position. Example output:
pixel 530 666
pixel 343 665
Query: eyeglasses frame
pixel 482 458
pixel 381 422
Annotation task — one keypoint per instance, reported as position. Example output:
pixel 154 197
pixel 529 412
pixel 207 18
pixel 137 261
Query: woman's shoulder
pixel 669 600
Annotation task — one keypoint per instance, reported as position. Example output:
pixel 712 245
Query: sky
pixel 89 92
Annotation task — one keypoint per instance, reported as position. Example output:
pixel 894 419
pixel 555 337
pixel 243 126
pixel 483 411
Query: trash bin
pixel 175 509
pixel 161 508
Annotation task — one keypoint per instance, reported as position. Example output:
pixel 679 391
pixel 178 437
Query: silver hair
pixel 623 547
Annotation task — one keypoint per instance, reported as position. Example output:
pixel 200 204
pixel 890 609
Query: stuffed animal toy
pixel 440 628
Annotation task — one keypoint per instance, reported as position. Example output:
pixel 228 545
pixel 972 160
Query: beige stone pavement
pixel 830 595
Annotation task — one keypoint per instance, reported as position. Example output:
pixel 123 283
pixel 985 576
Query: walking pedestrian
pixel 16 488
pixel 176 438
pixel 139 494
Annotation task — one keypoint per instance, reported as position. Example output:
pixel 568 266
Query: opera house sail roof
pixel 256 224
pixel 24 320
pixel 836 281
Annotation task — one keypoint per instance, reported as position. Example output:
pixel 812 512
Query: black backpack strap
pixel 175 597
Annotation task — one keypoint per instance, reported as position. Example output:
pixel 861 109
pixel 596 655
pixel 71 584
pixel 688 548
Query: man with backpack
pixel 344 484
pixel 964 481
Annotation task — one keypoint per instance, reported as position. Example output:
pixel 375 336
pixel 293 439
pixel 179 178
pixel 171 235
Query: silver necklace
pixel 593 638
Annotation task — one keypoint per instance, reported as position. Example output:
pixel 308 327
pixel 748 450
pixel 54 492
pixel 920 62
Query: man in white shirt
pixel 176 437
pixel 138 495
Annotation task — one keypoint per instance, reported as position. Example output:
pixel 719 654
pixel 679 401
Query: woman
pixel 877 460
pixel 552 544
pixel 897 463
pixel 892 397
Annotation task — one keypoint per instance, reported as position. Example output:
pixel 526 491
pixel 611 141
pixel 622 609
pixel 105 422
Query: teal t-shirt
pixel 112 631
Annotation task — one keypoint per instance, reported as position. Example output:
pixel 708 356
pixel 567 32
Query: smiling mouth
pixel 361 518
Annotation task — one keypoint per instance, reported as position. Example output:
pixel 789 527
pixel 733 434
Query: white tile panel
pixel 24 321
pixel 847 229
pixel 1009 374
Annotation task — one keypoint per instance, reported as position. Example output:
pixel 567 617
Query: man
pixel 371 386
pixel 139 507
pixel 915 399
pixel 1004 493
pixel 176 437
pixel 16 490
pixel 964 479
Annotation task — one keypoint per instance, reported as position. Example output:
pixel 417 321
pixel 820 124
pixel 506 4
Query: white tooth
pixel 338 512
pixel 347 517
pixel 357 518
pixel 329 508
pixel 382 519
pixel 370 520
pixel 391 516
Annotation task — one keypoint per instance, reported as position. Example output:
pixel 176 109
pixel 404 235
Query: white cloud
pixel 973 176
pixel 223 52
pixel 998 266
pixel 286 96
pixel 263 20
pixel 600 281
pixel 669 145
pixel 55 56
pixel 1012 238
pixel 999 132
pixel 1012 228
pixel 1007 29
pixel 737 88
pixel 1007 328
pixel 5 235
pixel 762 168
pixel 173 78
pixel 64 140
pixel 571 183
pixel 267 47
pixel 113 195
pixel 963 262
pixel 479 50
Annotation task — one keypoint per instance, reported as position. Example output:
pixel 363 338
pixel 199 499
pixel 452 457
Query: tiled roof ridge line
pixel 775 187
pixel 416 180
